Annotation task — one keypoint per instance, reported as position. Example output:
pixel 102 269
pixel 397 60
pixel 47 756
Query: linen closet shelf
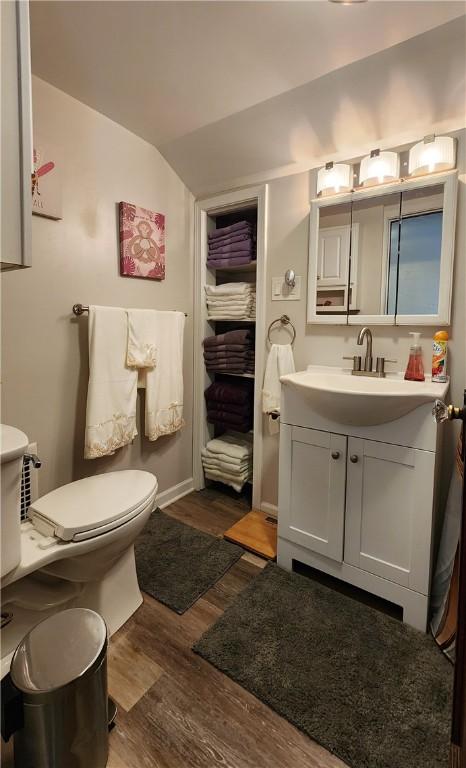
pixel 216 265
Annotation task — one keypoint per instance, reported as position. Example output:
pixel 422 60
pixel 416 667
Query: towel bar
pixel 79 309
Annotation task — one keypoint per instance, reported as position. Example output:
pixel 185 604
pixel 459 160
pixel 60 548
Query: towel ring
pixel 284 320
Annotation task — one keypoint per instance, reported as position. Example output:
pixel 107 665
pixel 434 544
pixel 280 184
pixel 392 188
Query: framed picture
pixel 46 180
pixel 142 242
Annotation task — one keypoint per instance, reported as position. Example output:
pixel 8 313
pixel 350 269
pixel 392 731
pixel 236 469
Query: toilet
pixel 75 550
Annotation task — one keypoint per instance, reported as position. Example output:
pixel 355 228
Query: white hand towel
pixel 226 288
pixel 279 363
pixel 141 352
pixel 164 383
pixel 112 391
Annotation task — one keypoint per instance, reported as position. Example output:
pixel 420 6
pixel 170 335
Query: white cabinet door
pixel 16 136
pixel 389 511
pixel 312 489
pixel 333 256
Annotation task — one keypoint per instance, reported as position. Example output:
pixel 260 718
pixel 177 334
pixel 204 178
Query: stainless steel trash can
pixel 60 667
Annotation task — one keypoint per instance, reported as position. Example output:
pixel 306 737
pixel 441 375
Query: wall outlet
pixel 282 292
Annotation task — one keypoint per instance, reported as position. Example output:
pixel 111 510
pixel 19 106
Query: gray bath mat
pixel 176 564
pixel 371 690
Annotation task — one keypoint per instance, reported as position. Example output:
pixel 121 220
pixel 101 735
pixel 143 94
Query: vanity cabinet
pixel 357 504
pixel 314 516
pixel 389 510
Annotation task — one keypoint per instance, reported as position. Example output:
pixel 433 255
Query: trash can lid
pixel 59 650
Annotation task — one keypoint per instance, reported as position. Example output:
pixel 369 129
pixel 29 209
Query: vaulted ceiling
pixel 200 80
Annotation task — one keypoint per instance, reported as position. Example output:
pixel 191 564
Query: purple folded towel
pixel 240 226
pixel 219 355
pixel 242 410
pixel 236 237
pixel 212 349
pixel 240 336
pixel 231 261
pixel 230 420
pixel 223 392
pixel 234 249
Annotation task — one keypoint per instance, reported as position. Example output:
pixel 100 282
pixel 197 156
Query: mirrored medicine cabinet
pixel 384 255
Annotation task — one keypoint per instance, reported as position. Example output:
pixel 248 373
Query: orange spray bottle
pixel 439 356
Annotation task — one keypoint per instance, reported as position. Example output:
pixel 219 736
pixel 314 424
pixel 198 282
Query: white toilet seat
pixel 94 505
pixel 40 550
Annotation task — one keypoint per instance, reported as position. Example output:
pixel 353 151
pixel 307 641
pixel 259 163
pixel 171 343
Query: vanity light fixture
pixel 432 154
pixel 334 178
pixel 379 168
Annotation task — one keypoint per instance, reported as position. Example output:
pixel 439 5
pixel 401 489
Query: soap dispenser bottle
pixel 415 368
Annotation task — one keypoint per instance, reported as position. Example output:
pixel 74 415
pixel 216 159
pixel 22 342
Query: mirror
pixel 416 266
pixel 332 296
pixel 370 234
pixel 384 255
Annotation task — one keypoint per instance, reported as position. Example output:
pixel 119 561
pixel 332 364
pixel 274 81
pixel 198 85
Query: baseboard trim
pixel 174 493
pixel 270 509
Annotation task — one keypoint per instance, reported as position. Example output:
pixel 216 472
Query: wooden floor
pixel 175 709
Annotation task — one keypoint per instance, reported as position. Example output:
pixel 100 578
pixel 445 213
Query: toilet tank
pixel 13 444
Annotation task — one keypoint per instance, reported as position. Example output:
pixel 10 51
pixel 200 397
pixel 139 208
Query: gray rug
pixel 371 690
pixel 176 564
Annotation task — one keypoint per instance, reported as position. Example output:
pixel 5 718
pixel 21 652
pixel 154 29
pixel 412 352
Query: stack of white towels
pixel 228 459
pixel 235 301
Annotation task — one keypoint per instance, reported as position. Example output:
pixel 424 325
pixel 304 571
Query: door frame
pixel 458 730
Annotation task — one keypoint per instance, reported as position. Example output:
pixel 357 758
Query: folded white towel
pixel 229 316
pixel 112 390
pixel 229 308
pixel 213 474
pixel 164 383
pixel 211 461
pixel 230 445
pixel 227 460
pixel 279 362
pixel 244 475
pixel 233 302
pixel 226 288
pixel 141 352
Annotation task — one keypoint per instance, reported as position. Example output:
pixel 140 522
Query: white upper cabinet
pixel 384 255
pixel 16 136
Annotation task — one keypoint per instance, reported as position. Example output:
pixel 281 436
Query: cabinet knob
pixel 335 454
pixel 353 458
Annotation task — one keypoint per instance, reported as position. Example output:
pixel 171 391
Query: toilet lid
pixel 97 503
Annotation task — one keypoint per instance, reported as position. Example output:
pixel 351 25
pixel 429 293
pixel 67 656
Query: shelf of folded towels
pixel 232 246
pixel 231 301
pixel 230 405
pixel 232 352
pixel 228 460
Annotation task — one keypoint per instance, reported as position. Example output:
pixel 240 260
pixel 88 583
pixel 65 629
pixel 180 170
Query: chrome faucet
pixel 366 333
pixel 364 367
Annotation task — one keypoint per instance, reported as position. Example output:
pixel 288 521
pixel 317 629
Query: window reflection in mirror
pixel 371 238
pixel 333 294
pixel 415 244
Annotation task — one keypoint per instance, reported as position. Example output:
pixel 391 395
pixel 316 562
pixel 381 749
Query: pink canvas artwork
pixel 142 242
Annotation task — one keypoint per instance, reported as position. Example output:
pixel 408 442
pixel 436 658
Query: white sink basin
pixel 362 400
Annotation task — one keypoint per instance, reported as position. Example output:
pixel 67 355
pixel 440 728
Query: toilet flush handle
pixel 33 459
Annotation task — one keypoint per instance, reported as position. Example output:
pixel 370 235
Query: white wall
pixel 288 237
pixel 45 359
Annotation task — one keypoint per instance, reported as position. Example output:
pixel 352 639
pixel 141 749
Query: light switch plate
pixel 282 292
